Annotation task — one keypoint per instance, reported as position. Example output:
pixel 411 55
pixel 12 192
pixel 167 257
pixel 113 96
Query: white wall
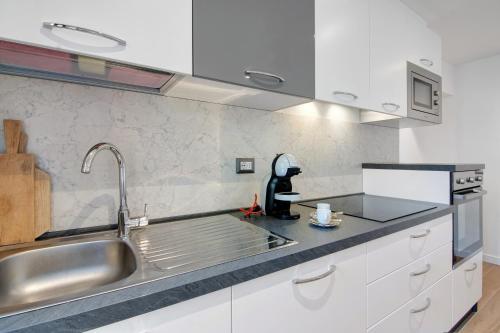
pixel 478 95
pixel 432 144
pixel 470 133
pixel 180 154
pixel 448 78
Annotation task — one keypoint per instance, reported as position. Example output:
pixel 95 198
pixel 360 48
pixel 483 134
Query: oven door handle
pixel 458 198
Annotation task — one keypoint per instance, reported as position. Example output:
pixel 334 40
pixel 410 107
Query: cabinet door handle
pixel 422 309
pixel 329 272
pixel 249 73
pixel 427 62
pixel 422 272
pixel 427 232
pixel 50 25
pixel 474 267
pixel 345 93
pixel 391 107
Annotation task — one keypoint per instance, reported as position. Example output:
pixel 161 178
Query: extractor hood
pixel 43 63
pixel 32 61
pixel 392 121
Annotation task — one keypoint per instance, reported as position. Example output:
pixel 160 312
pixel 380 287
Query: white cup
pixel 323 216
pixel 323 205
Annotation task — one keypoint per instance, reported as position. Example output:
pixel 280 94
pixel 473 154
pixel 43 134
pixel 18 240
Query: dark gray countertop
pixel 96 311
pixel 425 167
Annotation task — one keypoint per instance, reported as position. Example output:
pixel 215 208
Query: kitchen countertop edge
pixel 425 166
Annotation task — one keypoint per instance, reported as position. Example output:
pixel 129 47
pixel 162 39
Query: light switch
pixel 245 165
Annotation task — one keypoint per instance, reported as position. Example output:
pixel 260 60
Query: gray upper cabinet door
pixel 265 44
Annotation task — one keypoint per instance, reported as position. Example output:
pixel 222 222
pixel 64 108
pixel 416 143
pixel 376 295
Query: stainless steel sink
pixel 59 270
pixel 184 246
pixel 54 271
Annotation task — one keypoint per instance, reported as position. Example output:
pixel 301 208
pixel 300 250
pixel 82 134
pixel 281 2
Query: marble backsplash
pixel 180 154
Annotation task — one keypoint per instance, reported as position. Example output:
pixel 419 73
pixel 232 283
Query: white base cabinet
pixel 429 312
pixel 392 291
pixel 406 246
pixel 409 277
pixel 334 303
pixel 467 286
pixel 209 313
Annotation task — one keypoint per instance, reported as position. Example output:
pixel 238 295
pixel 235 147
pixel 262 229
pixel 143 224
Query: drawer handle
pixel 346 94
pixel 250 73
pixel 50 25
pixel 427 62
pixel 422 309
pixel 425 270
pixel 474 267
pixel 427 232
pixel 329 272
pixel 391 107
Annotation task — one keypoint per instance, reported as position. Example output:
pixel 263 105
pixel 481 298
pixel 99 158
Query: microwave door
pixel 423 94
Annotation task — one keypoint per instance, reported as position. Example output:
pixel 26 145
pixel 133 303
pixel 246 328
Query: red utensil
pixel 254 209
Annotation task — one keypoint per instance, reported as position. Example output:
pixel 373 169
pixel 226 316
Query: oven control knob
pixel 479 178
pixel 470 179
pixel 461 181
pixel 436 102
pixel 436 93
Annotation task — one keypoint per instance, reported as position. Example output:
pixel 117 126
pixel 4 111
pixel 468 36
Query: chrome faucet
pixel 125 222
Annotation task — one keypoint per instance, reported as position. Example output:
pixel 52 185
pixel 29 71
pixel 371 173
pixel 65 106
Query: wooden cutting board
pixel 17 198
pixel 25 192
pixel 42 202
pixel 13 135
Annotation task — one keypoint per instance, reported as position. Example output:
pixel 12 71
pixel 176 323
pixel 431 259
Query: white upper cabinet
pixel 324 295
pixel 362 48
pixel 388 55
pixel 425 45
pixel 342 51
pixel 154 34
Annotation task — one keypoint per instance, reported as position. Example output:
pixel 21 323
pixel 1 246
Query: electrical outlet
pixel 245 165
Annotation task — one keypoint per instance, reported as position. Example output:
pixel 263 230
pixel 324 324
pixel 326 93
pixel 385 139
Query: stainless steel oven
pixel 468 195
pixel 424 94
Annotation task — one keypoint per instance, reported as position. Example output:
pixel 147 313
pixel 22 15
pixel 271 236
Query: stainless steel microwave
pixel 424 94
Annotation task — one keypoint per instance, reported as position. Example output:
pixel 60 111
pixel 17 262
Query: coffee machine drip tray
pixel 374 208
pixel 287 196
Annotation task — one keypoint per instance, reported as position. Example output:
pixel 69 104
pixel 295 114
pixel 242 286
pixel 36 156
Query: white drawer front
pixel 467 286
pixel 390 292
pixel 429 312
pixel 333 303
pixel 210 313
pixel 387 254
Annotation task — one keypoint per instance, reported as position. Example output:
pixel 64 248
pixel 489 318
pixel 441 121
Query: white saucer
pixel 333 223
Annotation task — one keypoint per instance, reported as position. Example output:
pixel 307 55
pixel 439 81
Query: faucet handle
pixel 139 221
pixel 144 220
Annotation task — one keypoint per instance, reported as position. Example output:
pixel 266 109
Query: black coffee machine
pixel 279 193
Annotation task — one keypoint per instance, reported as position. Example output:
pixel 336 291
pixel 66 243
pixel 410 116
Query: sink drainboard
pixel 184 246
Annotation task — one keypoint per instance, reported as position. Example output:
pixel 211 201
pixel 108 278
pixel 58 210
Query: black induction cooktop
pixel 374 208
